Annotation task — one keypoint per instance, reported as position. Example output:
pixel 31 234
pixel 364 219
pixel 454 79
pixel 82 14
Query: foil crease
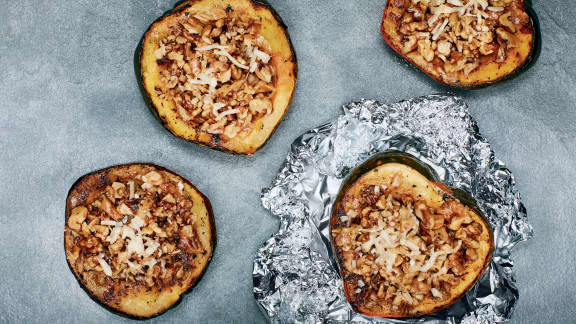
pixel 295 277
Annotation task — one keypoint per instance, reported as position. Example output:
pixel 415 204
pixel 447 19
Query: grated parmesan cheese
pixel 439 29
pixel 211 47
pixel 105 266
pixel 226 113
pixel 114 234
pixel 261 55
pixel 108 222
pixel 131 186
pixel 137 223
pixel 216 107
pixel 231 58
pixel 136 245
pixel 152 247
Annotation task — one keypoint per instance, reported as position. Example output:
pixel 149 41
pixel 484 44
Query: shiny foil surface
pixel 295 276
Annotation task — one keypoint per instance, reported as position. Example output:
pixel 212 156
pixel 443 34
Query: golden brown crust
pixel 468 45
pixel 237 138
pixel 404 246
pixel 137 236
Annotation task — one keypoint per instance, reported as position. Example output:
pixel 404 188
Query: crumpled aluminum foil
pixel 295 277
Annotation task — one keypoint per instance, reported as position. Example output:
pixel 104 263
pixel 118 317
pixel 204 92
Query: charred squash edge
pixel 530 60
pixel 102 174
pixel 427 172
pixel 215 142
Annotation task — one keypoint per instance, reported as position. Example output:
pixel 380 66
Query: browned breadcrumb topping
pixel 459 35
pixel 141 231
pixel 403 251
pixel 217 69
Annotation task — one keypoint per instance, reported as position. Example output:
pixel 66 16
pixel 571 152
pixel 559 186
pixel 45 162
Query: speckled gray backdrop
pixel 70 105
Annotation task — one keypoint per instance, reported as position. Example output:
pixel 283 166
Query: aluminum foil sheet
pixel 295 276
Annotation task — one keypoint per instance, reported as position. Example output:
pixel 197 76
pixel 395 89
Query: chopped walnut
pixel 213 67
pixel 77 217
pixel 455 34
pixel 153 177
pixel 132 231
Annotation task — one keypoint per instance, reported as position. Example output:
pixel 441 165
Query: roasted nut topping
pixel 217 69
pixel 136 235
pixel 455 35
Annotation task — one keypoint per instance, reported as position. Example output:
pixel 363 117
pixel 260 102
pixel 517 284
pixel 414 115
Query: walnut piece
pixel 77 217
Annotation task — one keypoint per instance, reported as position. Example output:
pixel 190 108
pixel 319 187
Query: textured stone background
pixel 70 105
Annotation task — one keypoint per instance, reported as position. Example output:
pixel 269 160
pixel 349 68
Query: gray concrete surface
pixel 70 105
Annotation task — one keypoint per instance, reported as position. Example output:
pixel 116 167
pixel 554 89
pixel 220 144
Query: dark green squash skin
pixel 103 178
pixel 180 6
pixel 426 171
pixel 530 60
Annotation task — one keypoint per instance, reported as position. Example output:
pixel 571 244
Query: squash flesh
pixel 283 59
pixel 489 71
pixel 415 185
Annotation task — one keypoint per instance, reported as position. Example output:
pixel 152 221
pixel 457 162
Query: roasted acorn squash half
pixel 404 244
pixel 220 73
pixel 463 43
pixel 137 237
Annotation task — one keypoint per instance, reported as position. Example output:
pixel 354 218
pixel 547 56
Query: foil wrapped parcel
pixel 295 277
